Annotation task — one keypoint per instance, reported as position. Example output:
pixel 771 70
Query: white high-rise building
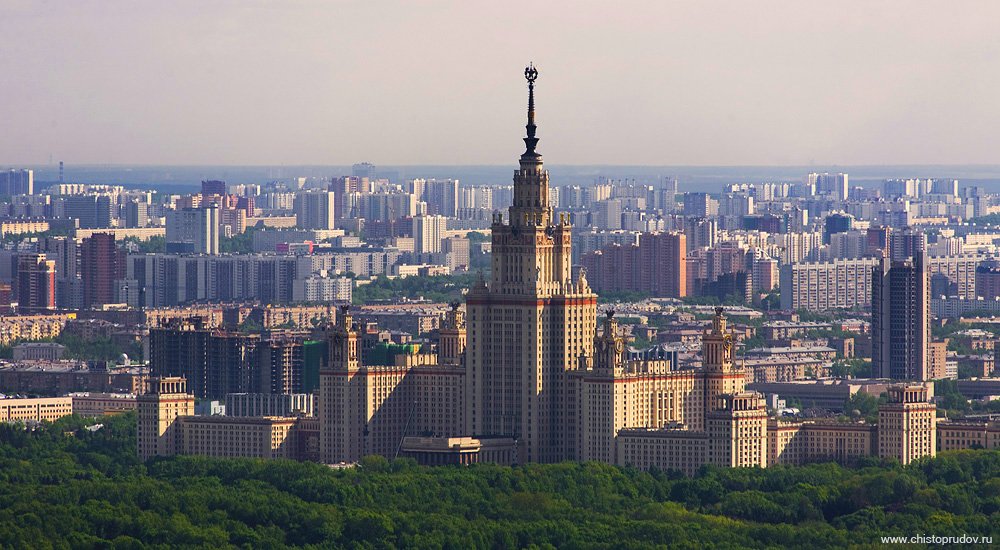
pixel 428 231
pixel 835 185
pixel 17 182
pixel 316 210
pixel 193 230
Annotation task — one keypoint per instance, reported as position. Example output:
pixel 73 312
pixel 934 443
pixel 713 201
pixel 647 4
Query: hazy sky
pixel 654 83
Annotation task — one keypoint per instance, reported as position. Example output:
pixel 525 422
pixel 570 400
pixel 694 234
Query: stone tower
pixel 529 324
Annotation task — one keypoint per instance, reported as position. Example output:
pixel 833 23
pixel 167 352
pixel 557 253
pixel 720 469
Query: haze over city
pixel 633 83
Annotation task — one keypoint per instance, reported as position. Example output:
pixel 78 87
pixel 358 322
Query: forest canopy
pixel 63 486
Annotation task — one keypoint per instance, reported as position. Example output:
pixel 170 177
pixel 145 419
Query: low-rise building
pixel 263 404
pixel 33 351
pixel 100 404
pixel 35 409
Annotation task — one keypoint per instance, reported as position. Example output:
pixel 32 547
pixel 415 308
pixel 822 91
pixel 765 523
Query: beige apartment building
pixel 798 442
pixel 167 426
pixel 646 413
pixel 35 409
pixel 369 409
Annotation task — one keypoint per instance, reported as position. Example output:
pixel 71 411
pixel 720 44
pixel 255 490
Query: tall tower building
pixel 907 424
pixel 102 263
pixel 156 411
pixel 316 209
pixel 900 319
pixel 36 284
pixel 721 375
pixel 453 337
pixel 528 326
pixel 342 395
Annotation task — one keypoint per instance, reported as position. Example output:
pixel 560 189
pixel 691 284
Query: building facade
pixel 529 325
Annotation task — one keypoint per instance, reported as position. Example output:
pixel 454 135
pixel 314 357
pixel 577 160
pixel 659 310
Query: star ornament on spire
pixel 530 73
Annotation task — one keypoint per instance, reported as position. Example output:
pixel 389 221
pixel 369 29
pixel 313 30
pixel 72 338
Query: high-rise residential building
pixel 824 286
pixel 701 232
pixel 441 197
pixel 315 210
pixel 36 284
pixel 17 182
pixel 988 282
pixel 608 214
pixel 343 188
pixel 213 187
pixel 906 244
pixel 528 326
pixel 907 424
pixel 456 252
pixel 82 208
pixel 667 195
pixel 364 170
pixel 102 263
pixel 900 319
pixel 836 223
pixel 700 205
pixel 156 412
pixel 834 185
pixel 136 214
pixel 213 362
pixel 193 230
pixel 663 264
pixel 945 187
pixel 428 231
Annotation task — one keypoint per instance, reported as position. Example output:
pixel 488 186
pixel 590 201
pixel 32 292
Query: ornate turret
pixel 531 182
pixel 609 347
pixel 452 337
pixel 530 74
pixel 717 345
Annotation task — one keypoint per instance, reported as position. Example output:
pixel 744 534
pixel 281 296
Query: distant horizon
pixel 776 83
pixel 710 178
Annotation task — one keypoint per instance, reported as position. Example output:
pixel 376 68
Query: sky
pixel 654 83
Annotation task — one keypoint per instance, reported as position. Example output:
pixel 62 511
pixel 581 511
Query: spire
pixel 530 74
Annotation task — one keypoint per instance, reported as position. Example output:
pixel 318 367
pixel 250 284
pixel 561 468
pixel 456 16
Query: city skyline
pixel 687 85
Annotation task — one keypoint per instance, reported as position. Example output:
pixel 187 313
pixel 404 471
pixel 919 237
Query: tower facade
pixel 907 424
pixel 342 385
pixel 722 377
pixel 156 412
pixel 36 284
pixel 529 324
pixel 900 319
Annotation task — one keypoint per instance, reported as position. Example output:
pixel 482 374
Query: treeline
pixel 63 486
pixel 436 288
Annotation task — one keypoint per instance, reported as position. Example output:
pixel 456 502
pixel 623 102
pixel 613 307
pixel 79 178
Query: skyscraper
pixel 316 210
pixel 101 264
pixel 529 325
pixel 834 185
pixel 428 232
pixel 17 182
pixel 36 284
pixel 900 319
pixel 193 230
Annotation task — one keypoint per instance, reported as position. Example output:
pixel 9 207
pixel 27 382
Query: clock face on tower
pixel 620 346
pixel 727 342
pixel 604 345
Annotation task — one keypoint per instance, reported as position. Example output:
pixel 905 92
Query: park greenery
pixel 63 486
pixel 436 288
pixel 989 219
pixel 85 349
